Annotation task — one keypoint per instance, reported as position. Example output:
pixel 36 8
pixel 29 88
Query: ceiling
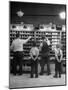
pixel 36 13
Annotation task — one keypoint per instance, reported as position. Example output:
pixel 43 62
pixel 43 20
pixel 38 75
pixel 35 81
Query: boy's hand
pixel 59 60
pixel 29 37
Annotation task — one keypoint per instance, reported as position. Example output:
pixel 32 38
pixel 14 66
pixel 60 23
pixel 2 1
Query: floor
pixel 24 80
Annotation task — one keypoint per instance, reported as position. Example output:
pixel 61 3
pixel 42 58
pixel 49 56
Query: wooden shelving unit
pixel 54 37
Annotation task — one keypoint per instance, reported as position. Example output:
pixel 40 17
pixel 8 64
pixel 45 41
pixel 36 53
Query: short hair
pixel 58 45
pixel 17 35
pixel 43 37
pixel 34 43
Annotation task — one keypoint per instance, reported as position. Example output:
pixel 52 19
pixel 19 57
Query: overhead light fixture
pixel 20 13
pixel 62 15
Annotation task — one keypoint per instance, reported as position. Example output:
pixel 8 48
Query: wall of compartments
pixel 53 35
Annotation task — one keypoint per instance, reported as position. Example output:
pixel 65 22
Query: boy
pixel 58 59
pixel 34 53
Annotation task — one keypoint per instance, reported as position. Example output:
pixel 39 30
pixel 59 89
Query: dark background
pixel 36 13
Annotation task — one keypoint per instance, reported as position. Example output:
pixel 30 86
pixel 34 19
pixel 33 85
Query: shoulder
pixel 14 41
pixel 20 39
pixel 55 50
pixel 31 48
pixel 41 43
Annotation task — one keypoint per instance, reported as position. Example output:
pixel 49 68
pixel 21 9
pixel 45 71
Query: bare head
pixel 58 46
pixel 17 35
pixel 43 37
pixel 34 43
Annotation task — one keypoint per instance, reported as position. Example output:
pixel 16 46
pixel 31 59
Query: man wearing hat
pixel 44 49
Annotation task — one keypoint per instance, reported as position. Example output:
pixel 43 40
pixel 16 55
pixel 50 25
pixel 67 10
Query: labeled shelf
pixel 54 37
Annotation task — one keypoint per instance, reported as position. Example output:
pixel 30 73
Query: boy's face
pixel 45 39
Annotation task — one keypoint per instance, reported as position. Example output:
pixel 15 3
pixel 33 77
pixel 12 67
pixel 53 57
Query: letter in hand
pixel 29 37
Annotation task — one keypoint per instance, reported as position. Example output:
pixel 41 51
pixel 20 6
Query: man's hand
pixel 29 37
